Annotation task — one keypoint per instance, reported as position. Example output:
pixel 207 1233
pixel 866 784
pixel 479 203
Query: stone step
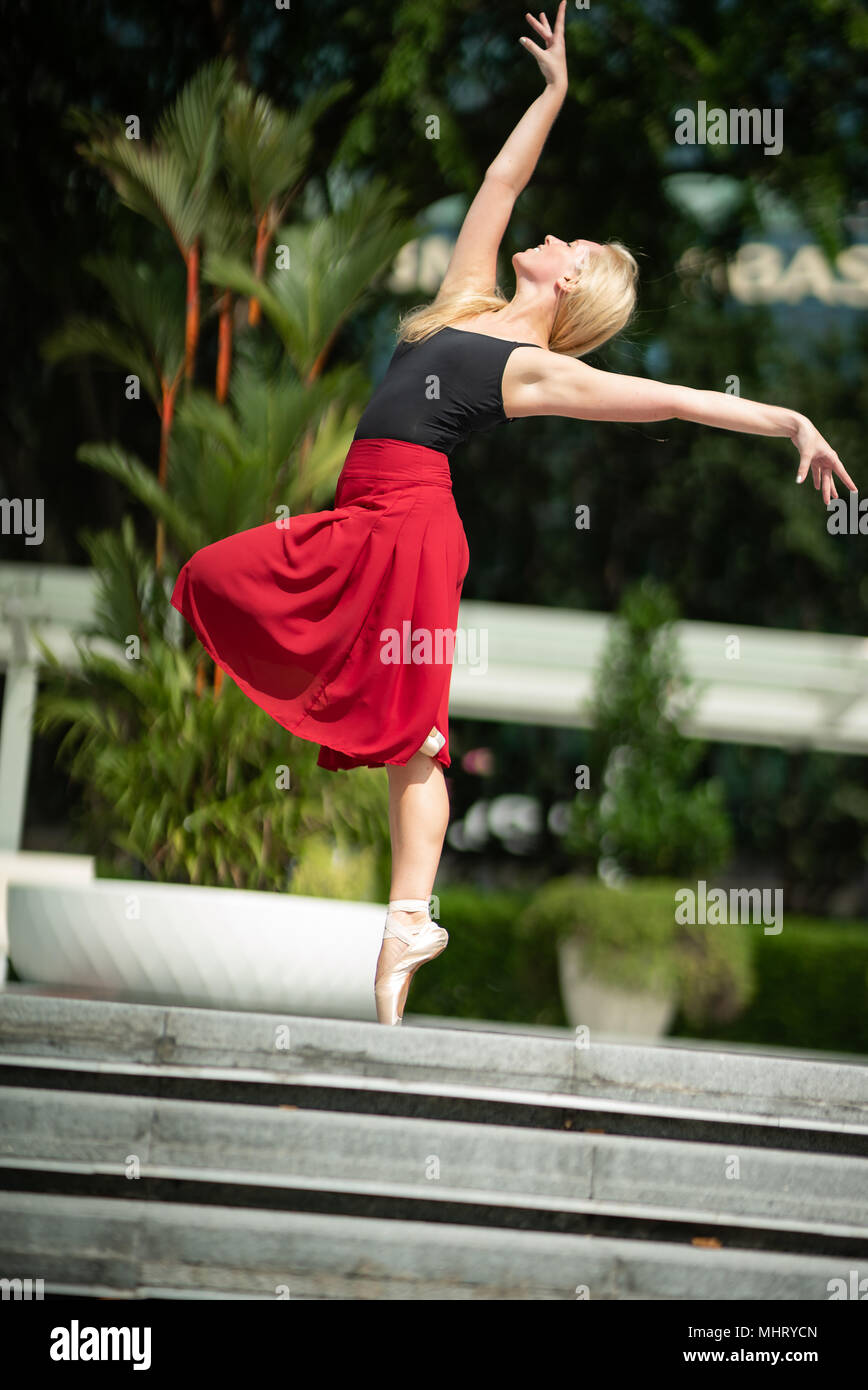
pixel 773 1193
pixel 736 1083
pixel 388 1159
pixel 430 1100
pixel 128 1248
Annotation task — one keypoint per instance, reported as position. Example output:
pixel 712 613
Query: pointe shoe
pixel 424 942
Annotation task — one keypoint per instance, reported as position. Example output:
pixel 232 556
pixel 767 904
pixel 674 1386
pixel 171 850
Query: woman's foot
pixel 410 940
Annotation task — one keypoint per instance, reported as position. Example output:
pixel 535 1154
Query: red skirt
pixel 340 624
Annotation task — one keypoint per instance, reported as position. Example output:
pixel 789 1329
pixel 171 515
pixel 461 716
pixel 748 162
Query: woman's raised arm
pixel 473 264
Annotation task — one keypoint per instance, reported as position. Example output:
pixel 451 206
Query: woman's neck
pixel 529 315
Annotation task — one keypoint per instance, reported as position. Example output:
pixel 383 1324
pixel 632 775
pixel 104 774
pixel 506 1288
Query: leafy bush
pixel 487 971
pixel 630 937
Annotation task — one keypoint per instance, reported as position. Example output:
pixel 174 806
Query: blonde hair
pixel 600 303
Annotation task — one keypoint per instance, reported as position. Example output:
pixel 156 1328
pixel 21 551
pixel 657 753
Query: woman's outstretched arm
pixel 551 384
pixel 473 264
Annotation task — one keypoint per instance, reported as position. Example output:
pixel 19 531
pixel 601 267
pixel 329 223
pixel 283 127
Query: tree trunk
pixel 167 413
pixel 254 312
pixel 224 346
pixel 192 333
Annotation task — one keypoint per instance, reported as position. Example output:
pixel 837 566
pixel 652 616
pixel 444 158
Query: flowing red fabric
pixel 308 614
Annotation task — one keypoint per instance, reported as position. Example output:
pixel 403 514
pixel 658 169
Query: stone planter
pixel 31 866
pixel 218 948
pixel 606 1008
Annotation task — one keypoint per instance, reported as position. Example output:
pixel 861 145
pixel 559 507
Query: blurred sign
pixel 761 273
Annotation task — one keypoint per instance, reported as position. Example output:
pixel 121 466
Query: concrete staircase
pixel 167 1152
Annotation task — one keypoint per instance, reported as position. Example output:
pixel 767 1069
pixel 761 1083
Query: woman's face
pixel 553 259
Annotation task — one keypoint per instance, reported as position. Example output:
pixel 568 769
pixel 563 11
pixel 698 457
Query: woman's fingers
pixel 824 476
pixel 532 47
pixel 542 25
pixel 823 470
pixel 843 474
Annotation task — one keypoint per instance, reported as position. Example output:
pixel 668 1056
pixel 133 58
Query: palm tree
pixel 147 339
pixel 172 184
pixel 273 432
pixel 266 152
pixel 225 161
pixel 328 270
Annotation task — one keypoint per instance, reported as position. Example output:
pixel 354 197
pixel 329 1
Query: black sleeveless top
pixel 439 391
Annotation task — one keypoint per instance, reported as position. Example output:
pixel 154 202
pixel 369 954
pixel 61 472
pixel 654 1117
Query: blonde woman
pixel 335 625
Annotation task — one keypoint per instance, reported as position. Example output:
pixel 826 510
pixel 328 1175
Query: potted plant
pixel 640 817
pixel 626 965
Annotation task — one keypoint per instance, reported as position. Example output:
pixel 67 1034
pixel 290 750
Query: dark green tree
pixel 643 812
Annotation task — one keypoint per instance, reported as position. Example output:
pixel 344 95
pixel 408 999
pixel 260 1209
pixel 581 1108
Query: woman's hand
pixel 818 456
pixel 553 58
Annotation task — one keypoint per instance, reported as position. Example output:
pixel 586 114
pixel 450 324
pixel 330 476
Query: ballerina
pixel 302 617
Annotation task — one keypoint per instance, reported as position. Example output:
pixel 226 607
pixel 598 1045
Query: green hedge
pixel 488 970
pixel 811 980
pixel 812 989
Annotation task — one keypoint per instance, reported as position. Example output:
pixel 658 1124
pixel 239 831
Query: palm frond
pixel 191 128
pixel 88 337
pixel 155 184
pixel 332 266
pixel 266 149
pixel 143 484
pixel 150 300
pixel 234 274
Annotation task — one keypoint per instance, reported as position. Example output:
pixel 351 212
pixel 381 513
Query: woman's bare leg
pixel 418 818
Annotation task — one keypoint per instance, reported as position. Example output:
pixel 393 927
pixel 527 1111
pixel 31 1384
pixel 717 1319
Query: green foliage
pixel 630 938
pixel 488 970
pixel 147 339
pixel 647 819
pixel 502 958
pixel 324 870
pixel 811 991
pixel 232 465
pixel 333 263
